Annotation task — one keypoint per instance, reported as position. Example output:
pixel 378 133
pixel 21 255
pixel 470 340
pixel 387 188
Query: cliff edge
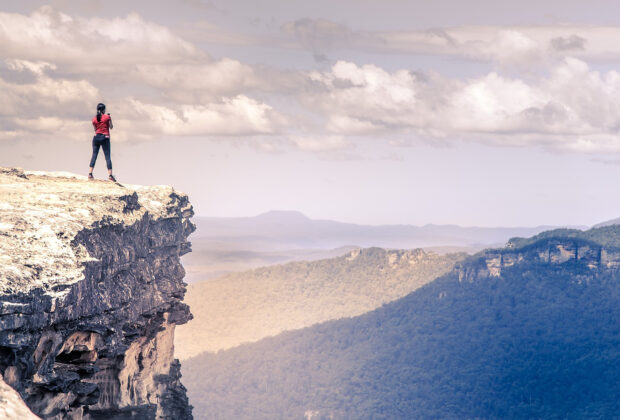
pixel 91 288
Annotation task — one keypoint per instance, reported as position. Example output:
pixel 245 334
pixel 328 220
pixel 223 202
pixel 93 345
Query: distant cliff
pixel 597 248
pixel 91 290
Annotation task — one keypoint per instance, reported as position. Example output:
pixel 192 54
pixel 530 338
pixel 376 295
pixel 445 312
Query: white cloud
pixel 58 67
pixel 197 82
pixel 364 95
pixel 519 45
pixel 43 104
pixel 511 48
pixel 492 104
pixel 126 51
pixel 43 95
pixel 89 43
pixel 232 116
pixel 571 108
pixel 506 45
pixel 37 68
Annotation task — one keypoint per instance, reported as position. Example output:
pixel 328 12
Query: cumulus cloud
pixel 88 43
pixel 57 66
pixel 358 99
pixel 141 52
pixel 38 104
pixel 240 115
pixel 197 82
pixel 43 106
pixel 571 108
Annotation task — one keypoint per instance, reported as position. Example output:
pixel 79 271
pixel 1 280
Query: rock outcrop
pixel 91 289
pixel 554 250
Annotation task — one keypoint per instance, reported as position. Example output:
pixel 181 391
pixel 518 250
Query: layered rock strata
pixel 491 262
pixel 91 289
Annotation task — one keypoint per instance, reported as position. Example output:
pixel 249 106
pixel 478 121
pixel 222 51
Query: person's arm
pixel 94 126
pixel 111 125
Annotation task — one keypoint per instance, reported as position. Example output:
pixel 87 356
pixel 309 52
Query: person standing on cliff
pixel 102 123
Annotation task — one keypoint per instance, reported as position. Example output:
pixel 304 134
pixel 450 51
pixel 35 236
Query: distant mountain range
pixel 224 245
pixel 282 230
pixel 526 331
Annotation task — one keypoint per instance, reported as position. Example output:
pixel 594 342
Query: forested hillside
pixel 539 340
pixel 248 306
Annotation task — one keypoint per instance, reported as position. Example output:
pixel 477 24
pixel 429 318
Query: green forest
pixel 250 305
pixel 540 341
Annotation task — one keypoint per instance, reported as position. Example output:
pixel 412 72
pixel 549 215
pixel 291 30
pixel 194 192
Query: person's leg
pixel 106 152
pixel 93 159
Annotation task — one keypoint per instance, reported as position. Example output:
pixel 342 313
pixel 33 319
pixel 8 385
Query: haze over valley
pixel 248 306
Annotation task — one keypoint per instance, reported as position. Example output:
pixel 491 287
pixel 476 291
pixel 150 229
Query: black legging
pixel 101 141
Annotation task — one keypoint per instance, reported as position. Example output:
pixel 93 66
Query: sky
pixel 478 113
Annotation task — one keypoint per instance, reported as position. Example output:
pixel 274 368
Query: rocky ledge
pixel 91 288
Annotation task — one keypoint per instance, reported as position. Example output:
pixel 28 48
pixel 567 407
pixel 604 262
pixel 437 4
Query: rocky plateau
pixel 91 289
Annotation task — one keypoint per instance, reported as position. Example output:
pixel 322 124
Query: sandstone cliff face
pixel 91 289
pixel 491 262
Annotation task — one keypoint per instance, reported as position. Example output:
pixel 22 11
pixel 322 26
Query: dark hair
pixel 100 111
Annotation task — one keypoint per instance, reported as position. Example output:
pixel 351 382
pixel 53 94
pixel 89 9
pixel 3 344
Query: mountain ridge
pixel 292 229
pixel 279 215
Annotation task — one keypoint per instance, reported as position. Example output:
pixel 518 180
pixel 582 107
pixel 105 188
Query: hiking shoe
pixel 111 178
pixel 90 176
